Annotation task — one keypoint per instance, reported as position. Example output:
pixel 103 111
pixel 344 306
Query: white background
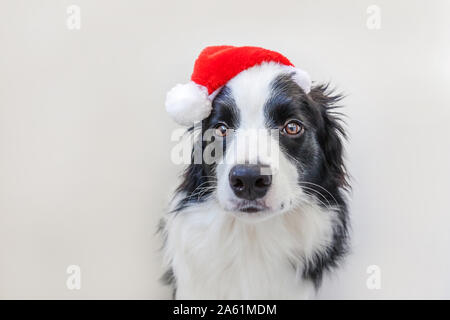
pixel 85 168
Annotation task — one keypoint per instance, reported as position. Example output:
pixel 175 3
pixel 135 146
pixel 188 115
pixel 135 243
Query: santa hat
pixel 214 67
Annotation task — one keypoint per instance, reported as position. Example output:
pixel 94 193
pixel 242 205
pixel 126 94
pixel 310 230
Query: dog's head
pixel 270 147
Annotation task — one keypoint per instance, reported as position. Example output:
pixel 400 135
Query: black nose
pixel 248 182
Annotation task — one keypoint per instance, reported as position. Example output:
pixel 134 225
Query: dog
pixel 265 227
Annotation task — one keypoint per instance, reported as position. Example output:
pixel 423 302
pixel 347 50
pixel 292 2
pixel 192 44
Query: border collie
pixel 253 229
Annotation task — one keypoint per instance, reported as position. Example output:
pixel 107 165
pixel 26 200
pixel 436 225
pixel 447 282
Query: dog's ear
pixel 331 132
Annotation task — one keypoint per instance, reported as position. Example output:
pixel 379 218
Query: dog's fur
pixel 214 248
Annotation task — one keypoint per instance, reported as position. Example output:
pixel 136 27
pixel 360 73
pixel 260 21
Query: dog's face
pixel 275 147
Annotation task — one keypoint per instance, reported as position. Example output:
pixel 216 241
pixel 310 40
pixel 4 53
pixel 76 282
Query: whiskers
pixel 208 186
pixel 309 186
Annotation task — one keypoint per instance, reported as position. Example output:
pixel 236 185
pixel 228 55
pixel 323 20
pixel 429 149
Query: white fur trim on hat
pixel 303 80
pixel 188 103
pixel 301 77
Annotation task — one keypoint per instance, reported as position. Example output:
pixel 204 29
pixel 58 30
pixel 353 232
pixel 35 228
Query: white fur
pixel 217 252
pixel 216 255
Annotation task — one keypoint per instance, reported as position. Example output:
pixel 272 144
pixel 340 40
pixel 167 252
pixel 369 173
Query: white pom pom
pixel 188 103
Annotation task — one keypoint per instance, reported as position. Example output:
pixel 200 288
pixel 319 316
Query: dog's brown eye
pixel 221 130
pixel 292 128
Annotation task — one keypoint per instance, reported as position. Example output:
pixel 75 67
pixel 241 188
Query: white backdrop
pixel 85 167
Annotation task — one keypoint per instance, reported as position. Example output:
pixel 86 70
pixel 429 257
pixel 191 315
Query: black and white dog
pixel 252 229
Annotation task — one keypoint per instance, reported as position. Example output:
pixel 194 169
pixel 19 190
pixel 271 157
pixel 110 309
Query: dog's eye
pixel 221 130
pixel 292 128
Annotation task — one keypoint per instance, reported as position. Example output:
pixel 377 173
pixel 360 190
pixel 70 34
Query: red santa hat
pixel 214 67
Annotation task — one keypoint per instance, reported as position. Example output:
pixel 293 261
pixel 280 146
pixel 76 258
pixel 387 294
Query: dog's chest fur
pixel 217 256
